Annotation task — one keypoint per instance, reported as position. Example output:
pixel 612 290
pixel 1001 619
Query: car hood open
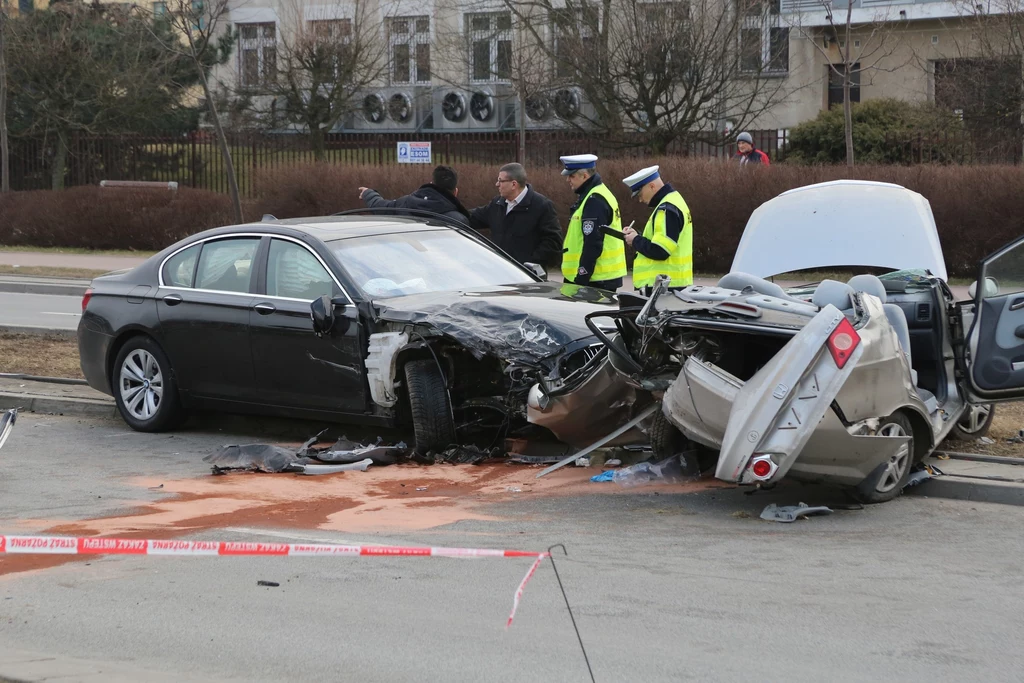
pixel 841 223
pixel 525 322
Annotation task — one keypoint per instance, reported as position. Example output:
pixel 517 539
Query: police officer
pixel 589 256
pixel 666 245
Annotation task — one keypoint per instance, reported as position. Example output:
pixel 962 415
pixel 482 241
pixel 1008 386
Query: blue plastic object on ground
pixel 604 476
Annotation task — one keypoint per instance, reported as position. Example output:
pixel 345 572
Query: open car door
pixel 994 359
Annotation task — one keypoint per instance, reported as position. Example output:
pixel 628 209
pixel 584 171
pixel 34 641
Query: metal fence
pixel 194 159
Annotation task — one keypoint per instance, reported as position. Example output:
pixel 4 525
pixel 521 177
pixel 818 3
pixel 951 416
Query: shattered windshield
pixel 421 262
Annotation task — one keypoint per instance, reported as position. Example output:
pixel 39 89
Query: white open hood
pixel 841 223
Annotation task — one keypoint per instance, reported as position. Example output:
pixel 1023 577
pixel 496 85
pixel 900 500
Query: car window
pixel 293 272
pixel 423 261
pixel 180 268
pixel 1006 272
pixel 225 265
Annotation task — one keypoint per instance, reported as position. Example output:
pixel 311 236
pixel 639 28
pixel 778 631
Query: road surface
pixel 665 586
pixel 40 310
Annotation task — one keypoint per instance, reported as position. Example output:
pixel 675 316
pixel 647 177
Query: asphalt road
pixel 40 310
pixel 665 587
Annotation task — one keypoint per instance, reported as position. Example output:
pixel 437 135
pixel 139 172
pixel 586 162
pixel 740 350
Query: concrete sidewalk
pixel 23 666
pixel 52 397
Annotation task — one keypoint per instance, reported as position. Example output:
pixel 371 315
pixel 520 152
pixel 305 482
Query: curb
pixel 39 331
pixel 43 288
pixel 34 403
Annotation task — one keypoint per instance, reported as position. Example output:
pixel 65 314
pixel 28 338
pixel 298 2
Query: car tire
pixel 144 387
pixel 667 440
pixel 429 406
pixel 975 423
pixel 888 480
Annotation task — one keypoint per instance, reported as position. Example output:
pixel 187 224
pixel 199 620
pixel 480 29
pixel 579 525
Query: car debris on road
pixel 791 513
pixel 7 424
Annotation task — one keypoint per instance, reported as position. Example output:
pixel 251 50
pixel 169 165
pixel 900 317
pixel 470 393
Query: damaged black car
pixel 406 321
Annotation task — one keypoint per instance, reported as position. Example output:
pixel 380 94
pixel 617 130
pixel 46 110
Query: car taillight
pixel 762 466
pixel 842 342
pixel 85 298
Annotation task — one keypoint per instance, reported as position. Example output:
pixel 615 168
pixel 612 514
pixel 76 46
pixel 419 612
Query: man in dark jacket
pixel 440 196
pixel 522 222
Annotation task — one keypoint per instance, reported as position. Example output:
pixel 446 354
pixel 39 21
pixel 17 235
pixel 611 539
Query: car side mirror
pixel 538 270
pixel 991 288
pixel 323 311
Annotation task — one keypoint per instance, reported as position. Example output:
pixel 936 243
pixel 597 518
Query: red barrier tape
pixel 66 545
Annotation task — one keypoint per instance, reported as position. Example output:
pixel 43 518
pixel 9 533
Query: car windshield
pixel 422 261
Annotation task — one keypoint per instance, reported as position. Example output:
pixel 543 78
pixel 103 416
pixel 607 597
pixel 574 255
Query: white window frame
pixel 412 38
pixel 768 20
pixel 260 44
pixel 494 36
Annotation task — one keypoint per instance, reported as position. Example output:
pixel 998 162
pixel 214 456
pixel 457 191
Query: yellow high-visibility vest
pixel 679 264
pixel 611 264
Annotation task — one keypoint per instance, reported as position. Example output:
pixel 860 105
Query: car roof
pixel 328 228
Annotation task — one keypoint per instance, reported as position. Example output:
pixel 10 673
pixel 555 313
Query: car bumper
pixel 93 350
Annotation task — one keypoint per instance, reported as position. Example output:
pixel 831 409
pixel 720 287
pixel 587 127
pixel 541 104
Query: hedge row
pixel 977 208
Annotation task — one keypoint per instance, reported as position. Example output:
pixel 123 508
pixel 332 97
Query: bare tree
pixel 862 48
pixel 673 69
pixel 205 40
pixel 322 64
pixel 496 46
pixel 5 152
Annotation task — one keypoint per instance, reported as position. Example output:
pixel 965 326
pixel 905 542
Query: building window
pixel 665 26
pixel 490 39
pixel 764 44
pixel 257 54
pixel 159 9
pixel 574 33
pixel 835 84
pixel 25 6
pixel 410 49
pixel 198 15
pixel 331 31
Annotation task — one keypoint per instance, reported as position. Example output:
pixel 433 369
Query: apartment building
pixel 447 64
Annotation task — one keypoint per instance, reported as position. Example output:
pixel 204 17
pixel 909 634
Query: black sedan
pixel 383 320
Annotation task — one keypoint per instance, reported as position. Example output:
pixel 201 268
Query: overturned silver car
pixel 847 383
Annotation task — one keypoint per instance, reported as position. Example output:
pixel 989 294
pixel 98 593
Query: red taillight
pixel 842 342
pixel 85 298
pixel 761 468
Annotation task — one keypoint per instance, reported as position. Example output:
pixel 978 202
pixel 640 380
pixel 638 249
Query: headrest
pixel 739 280
pixel 832 292
pixel 869 284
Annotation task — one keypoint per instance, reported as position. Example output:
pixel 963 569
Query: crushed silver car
pixel 846 383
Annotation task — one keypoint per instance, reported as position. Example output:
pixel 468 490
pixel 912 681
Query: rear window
pixel 226 265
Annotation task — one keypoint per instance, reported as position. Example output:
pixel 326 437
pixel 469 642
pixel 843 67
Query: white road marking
pixel 59 313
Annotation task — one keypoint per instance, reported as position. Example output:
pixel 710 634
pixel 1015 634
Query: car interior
pixel 913 314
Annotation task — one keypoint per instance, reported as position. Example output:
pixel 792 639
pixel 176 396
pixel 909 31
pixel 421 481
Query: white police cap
pixel 641 178
pixel 575 162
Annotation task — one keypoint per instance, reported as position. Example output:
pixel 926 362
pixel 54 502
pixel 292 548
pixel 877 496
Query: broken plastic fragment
pixel 607 475
pixel 256 457
pixel 791 513
pixel 7 421
pixel 309 468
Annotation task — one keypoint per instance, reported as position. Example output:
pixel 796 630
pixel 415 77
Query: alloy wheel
pixel 973 421
pixel 898 463
pixel 141 384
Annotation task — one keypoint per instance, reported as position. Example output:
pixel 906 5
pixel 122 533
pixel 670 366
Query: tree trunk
pixel 222 141
pixel 5 152
pixel 60 161
pixel 847 114
pixel 316 142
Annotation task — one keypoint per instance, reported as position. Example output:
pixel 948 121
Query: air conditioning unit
pixel 473 108
pixel 570 108
pixel 540 112
pixel 372 112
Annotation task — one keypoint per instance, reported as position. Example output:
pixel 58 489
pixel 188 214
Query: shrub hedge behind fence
pixel 977 209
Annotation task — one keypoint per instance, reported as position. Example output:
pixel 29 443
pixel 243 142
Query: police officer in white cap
pixel 589 256
pixel 666 245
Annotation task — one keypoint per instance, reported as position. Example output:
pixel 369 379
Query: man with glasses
pixel 521 221
pixel 666 245
pixel 590 256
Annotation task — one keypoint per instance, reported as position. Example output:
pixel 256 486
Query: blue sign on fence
pixel 414 152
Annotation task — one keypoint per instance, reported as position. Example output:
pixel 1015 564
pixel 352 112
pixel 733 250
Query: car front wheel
pixel 144 386
pixel 974 423
pixel 432 421
pixel 887 482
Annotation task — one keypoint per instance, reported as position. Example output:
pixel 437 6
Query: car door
pixel 294 367
pixel 203 306
pixel 995 343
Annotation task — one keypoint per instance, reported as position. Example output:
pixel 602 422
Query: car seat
pixel 870 284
